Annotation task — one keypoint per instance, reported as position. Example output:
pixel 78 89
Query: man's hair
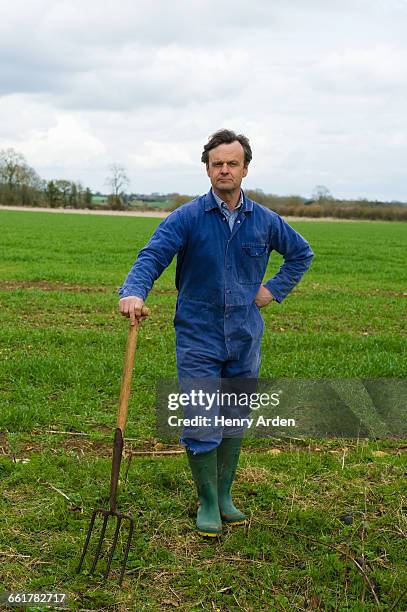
pixel 227 137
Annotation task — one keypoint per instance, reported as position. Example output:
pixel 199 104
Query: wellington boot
pixel 228 456
pixel 205 472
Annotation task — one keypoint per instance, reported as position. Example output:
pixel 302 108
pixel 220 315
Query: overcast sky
pixel 318 86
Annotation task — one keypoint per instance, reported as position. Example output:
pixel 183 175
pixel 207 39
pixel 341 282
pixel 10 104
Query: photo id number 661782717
pixel 24 599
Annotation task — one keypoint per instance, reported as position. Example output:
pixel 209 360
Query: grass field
pixel 61 347
pixel 157 204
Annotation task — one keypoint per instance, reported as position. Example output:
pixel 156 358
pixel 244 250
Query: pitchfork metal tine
pixel 127 549
pixel 101 537
pixel 85 547
pixel 112 549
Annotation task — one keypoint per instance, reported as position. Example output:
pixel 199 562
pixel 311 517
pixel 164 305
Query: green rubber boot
pixel 205 472
pixel 228 457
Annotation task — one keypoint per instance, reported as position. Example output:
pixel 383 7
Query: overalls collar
pixel 210 203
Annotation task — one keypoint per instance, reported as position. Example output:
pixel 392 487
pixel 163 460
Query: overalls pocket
pixel 253 262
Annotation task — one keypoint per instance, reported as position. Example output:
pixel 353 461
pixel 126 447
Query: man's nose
pixel 225 168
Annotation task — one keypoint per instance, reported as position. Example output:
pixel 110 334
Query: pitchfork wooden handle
pixel 127 371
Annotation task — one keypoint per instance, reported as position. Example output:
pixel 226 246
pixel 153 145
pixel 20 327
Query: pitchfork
pixel 116 460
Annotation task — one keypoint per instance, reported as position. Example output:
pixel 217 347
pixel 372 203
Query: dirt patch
pixel 70 211
pixel 97 448
pixel 4 449
pixel 383 292
pixel 10 285
pixel 83 446
pixel 253 475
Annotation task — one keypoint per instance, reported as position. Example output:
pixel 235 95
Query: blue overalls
pixel 218 326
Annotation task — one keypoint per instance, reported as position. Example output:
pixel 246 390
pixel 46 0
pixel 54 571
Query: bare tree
pixel 52 194
pixel 87 198
pixel 15 172
pixel 117 181
pixel 320 192
pixel 19 183
pixel 64 188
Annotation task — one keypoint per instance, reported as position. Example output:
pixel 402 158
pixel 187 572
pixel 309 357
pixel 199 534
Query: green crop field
pixel 328 521
pixel 157 204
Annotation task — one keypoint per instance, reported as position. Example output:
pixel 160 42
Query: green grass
pixel 61 350
pixel 158 204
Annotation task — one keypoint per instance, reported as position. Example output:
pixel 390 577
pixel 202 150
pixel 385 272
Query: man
pixel 223 241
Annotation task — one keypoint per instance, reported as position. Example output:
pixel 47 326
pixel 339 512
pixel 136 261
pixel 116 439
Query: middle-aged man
pixel 223 241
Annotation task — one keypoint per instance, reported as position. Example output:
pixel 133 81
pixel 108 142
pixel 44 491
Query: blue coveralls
pixel 218 326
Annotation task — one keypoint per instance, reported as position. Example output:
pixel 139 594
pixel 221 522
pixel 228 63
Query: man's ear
pixel 207 168
pixel 245 169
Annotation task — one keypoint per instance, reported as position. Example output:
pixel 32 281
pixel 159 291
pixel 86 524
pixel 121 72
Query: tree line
pixel 20 185
pixel 323 204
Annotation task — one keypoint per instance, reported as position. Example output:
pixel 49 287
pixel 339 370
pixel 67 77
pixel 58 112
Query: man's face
pixel 226 167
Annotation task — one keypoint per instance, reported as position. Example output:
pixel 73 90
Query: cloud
pixel 374 69
pixel 144 76
pixel 158 154
pixel 66 142
pixel 69 139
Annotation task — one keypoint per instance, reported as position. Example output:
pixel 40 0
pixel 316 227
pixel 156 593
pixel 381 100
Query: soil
pixel 10 285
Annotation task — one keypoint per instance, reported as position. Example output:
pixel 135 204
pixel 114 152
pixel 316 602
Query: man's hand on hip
pixel 263 297
pixel 131 307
